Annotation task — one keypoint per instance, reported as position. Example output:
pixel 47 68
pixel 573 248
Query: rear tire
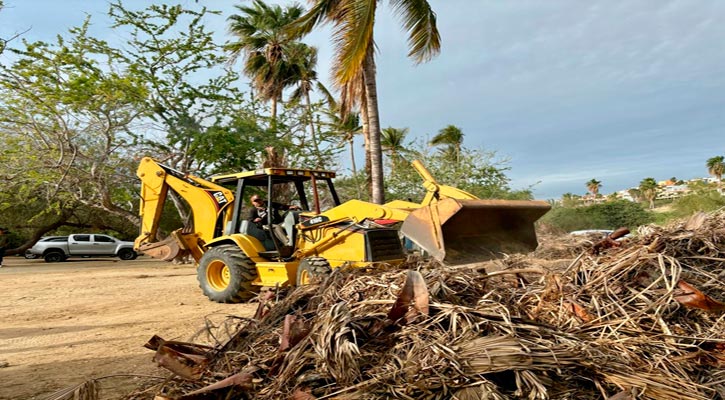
pixel 54 256
pixel 225 275
pixel 127 254
pixel 312 269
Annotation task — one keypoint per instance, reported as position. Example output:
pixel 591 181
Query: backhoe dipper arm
pixel 206 200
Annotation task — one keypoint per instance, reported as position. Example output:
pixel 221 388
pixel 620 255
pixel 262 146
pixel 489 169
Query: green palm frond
pixel 328 96
pixel 392 139
pixel 262 40
pixel 419 21
pixel 352 38
pixel 321 12
pixel 451 135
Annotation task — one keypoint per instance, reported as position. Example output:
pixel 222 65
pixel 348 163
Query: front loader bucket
pixel 466 231
pixel 167 249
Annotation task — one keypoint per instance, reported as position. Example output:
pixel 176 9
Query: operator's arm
pixel 252 215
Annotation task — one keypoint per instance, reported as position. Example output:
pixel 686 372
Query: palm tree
pixel 263 42
pixel 452 138
pixel 391 140
pixel 716 168
pixel 302 63
pixel 593 187
pixel 353 22
pixel 648 190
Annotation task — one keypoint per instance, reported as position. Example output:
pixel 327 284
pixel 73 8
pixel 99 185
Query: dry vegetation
pixel 640 320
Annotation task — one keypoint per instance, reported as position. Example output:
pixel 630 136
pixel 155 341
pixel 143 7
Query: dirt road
pixel 61 324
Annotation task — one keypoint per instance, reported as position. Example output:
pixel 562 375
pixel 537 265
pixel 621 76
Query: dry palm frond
pixel 642 320
pixel 335 344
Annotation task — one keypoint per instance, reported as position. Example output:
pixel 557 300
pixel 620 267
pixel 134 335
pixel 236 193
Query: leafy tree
pixel 295 138
pixel 354 66
pixel 391 141
pixel 451 137
pixel 4 42
pixel 351 187
pixel 716 167
pixel 593 187
pixel 65 120
pixel 76 114
pixel 264 43
pixel 206 124
pixel 480 173
pixel 648 189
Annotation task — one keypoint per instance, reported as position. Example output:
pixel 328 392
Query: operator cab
pixel 311 190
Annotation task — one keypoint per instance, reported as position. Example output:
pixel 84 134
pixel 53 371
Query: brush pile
pixel 642 319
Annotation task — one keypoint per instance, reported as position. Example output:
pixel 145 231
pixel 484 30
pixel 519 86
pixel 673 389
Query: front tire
pixel 225 275
pixel 54 256
pixel 312 269
pixel 127 254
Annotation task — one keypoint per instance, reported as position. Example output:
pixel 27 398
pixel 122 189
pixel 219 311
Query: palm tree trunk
pixel 273 121
pixel 376 155
pixel 366 141
pixel 352 155
pixel 320 161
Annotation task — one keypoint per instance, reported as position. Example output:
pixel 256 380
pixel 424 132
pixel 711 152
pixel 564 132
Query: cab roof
pixel 259 177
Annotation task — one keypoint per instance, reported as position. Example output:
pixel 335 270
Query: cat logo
pixel 219 197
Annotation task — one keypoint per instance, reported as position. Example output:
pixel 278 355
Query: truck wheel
pixel 312 269
pixel 127 254
pixel 54 256
pixel 226 274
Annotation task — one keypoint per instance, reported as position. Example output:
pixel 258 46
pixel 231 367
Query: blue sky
pixel 567 90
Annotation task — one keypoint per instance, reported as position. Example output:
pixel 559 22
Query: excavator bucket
pixel 167 249
pixel 457 231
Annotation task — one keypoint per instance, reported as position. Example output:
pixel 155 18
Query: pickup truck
pixel 83 245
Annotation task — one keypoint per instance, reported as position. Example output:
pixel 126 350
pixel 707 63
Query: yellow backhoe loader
pixel 237 257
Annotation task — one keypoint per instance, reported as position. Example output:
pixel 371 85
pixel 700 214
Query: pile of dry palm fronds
pixel 641 320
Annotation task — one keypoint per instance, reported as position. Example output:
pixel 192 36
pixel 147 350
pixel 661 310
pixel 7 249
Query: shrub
pixel 699 201
pixel 608 215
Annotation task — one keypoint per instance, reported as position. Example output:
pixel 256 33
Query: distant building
pixel 625 195
pixel 666 190
pixel 673 191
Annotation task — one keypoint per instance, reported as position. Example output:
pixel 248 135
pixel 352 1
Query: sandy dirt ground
pixel 64 323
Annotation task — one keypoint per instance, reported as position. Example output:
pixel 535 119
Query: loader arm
pixel 457 227
pixel 436 191
pixel 208 203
